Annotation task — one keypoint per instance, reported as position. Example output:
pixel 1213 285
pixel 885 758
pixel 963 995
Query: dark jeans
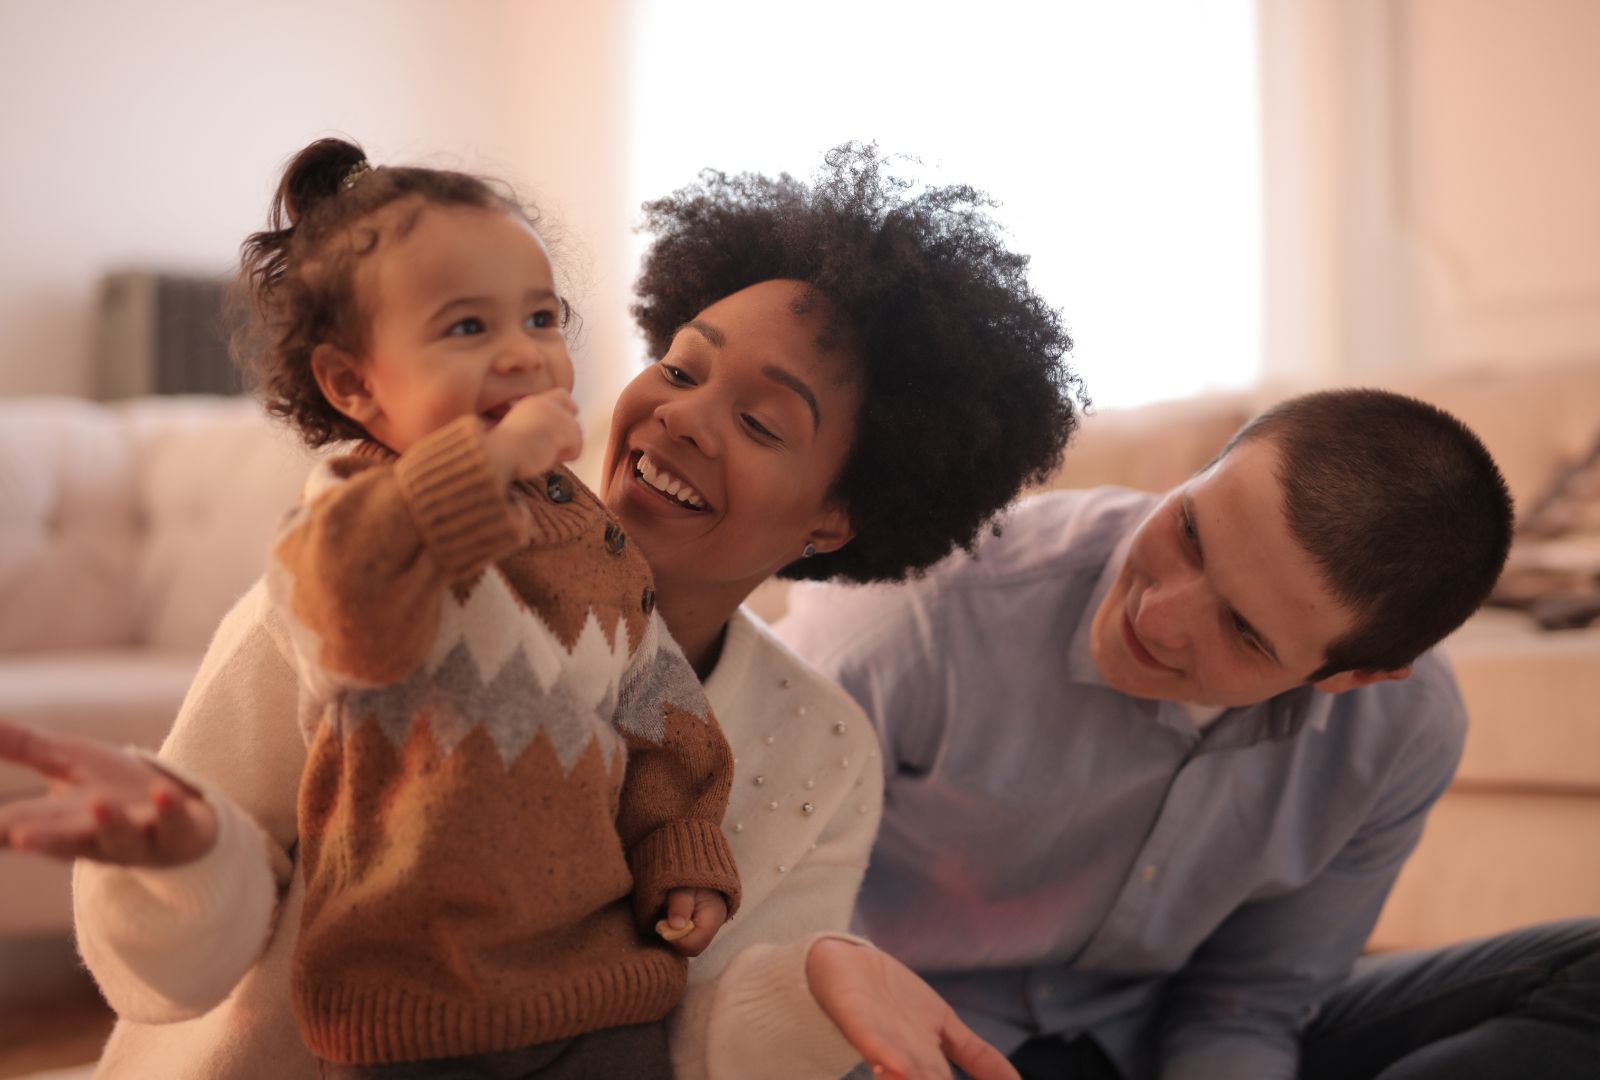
pixel 1524 1005
pixel 1519 1006
pixel 638 1052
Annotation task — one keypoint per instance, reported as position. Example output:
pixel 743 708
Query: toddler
pixel 512 773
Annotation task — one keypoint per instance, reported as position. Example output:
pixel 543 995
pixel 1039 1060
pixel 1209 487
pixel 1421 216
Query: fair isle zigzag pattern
pixel 495 663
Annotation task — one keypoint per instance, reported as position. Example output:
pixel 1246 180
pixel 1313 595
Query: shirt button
pixel 1150 872
pixel 556 487
pixel 615 541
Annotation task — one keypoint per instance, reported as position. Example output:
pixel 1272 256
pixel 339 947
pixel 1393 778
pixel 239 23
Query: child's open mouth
pixel 669 487
pixel 498 413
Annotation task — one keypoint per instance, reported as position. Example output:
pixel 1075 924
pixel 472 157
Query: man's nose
pixel 1166 613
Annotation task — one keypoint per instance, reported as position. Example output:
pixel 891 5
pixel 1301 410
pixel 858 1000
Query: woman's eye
pixel 462 327
pixel 541 320
pixel 675 375
pixel 758 427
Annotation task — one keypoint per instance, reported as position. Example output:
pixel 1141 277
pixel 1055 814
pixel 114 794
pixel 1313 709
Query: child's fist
pixel 538 433
pixel 693 918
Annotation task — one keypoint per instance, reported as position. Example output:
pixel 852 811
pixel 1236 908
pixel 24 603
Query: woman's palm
pixel 103 804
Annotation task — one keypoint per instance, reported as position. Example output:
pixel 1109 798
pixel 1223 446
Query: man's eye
pixel 462 327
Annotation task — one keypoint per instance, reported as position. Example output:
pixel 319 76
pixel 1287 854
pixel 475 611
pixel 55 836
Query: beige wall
pixel 150 134
pixel 1431 170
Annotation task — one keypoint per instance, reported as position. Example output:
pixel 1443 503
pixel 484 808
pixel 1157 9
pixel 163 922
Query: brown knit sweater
pixel 509 761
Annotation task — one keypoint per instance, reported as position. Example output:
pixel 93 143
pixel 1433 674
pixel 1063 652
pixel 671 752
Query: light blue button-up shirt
pixel 1058 857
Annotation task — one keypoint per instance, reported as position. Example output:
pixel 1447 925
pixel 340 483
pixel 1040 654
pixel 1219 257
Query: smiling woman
pixel 756 418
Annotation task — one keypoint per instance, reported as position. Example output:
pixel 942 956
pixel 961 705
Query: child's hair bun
pixel 318 172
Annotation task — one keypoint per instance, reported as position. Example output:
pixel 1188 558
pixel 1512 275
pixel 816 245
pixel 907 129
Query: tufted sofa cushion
pixel 137 523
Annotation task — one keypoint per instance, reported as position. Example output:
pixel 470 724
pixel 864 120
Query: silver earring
pixel 809 550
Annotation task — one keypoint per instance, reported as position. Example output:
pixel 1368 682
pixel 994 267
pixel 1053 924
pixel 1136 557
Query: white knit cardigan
pixel 195 960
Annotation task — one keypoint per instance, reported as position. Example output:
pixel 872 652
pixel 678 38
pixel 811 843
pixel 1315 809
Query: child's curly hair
pixel 966 391
pixel 296 283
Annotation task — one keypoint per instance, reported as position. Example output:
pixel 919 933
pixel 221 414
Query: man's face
pixel 1216 603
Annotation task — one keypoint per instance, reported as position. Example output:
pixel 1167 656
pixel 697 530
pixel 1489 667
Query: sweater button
pixel 648 600
pixel 557 488
pixel 615 541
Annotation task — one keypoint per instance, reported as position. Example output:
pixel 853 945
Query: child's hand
pixel 538 433
pixel 706 909
pixel 103 804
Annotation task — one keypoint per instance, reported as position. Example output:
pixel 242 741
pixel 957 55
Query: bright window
pixel 1121 138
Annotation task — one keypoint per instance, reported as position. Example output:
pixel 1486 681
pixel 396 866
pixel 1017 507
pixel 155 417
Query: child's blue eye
pixel 462 327
pixel 540 320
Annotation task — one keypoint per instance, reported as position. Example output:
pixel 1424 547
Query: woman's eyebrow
pixel 795 383
pixel 705 329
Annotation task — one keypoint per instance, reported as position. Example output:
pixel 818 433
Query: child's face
pixel 464 319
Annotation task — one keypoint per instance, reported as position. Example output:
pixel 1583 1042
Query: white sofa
pixel 126 531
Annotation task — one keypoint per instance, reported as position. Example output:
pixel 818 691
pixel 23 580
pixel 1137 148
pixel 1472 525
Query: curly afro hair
pixel 967 395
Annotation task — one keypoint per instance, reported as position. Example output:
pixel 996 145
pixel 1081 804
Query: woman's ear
pixel 832 530
pixel 342 383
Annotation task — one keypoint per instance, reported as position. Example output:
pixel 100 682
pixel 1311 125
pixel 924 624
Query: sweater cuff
pixel 769 1026
pixel 465 515
pixel 172 942
pixel 690 854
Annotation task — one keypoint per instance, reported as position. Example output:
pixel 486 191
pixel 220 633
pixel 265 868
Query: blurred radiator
pixel 161 333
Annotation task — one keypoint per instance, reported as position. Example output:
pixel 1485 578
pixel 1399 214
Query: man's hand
pixel 103 804
pixel 538 433
pixel 902 1027
pixel 700 911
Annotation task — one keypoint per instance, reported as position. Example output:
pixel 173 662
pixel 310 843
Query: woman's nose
pixel 685 421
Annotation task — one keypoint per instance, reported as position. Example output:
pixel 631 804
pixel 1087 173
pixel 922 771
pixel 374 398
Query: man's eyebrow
pixel 1200 553
pixel 793 382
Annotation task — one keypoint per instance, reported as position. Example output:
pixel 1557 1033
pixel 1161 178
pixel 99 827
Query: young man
pixel 1153 764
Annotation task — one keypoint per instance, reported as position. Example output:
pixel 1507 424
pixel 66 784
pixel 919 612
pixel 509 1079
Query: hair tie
pixel 357 171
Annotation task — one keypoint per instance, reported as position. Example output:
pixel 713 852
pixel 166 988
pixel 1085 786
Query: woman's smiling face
pixel 721 455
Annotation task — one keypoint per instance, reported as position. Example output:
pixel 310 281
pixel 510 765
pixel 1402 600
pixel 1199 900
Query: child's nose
pixel 518 356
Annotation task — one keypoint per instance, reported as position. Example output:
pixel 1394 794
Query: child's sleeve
pixel 680 771
pixel 360 567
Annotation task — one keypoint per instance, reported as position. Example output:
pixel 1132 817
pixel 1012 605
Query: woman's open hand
pixel 103 804
pixel 902 1027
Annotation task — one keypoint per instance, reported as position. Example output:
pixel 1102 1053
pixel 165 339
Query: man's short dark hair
pixel 1400 505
